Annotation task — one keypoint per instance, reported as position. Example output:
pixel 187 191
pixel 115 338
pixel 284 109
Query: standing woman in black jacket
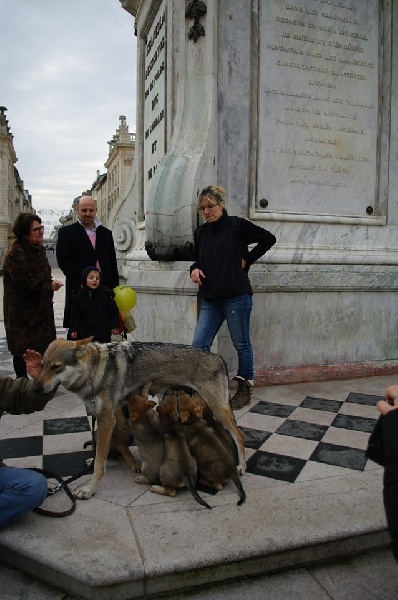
pixel 221 267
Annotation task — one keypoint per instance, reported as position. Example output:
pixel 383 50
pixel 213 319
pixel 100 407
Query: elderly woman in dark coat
pixel 28 292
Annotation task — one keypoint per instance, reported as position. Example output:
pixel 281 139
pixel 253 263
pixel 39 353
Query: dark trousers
pixel 20 366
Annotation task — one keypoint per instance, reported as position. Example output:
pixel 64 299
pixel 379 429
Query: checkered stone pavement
pixel 286 440
pixel 54 444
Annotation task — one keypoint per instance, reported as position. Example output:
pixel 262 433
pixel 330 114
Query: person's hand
pixel 115 331
pixel 197 276
pixel 391 395
pixel 56 285
pixel 383 407
pixel 33 361
pixel 73 335
pixel 244 263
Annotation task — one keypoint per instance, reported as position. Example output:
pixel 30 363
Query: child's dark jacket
pixel 94 312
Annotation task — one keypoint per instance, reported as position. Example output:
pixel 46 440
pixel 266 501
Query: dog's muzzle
pixel 39 388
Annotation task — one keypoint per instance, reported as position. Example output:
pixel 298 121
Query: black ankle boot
pixel 242 396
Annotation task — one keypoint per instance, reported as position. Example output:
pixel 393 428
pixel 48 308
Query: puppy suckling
pixel 143 422
pixel 179 443
pixel 213 451
pixel 122 439
pixel 179 467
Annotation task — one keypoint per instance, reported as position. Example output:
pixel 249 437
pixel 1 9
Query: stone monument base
pixel 309 322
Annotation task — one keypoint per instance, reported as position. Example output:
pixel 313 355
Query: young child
pixel 94 311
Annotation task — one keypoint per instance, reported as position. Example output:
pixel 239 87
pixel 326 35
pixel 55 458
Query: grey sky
pixel 67 71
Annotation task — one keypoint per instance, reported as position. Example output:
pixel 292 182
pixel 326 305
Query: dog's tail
pixel 191 487
pixel 242 493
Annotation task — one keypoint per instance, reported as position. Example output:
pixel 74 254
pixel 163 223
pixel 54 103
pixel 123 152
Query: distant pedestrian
pixel 94 311
pixel 84 243
pixel 28 292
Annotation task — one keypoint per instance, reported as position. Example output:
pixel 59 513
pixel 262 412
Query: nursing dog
pixel 104 374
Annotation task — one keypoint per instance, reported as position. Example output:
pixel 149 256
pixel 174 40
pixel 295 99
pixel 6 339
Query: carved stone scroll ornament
pixel 195 10
pixel 124 234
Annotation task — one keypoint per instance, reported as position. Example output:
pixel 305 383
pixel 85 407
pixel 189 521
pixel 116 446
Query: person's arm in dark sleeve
pixel 114 313
pixel 18 398
pixel 389 427
pixel 253 234
pixel 113 263
pixel 66 258
pixel 196 264
pixel 22 278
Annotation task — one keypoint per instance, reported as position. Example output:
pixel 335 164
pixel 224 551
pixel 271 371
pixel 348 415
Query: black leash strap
pixel 63 483
pixel 51 491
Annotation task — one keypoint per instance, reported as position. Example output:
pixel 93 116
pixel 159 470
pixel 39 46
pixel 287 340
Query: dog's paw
pixel 142 479
pixel 241 469
pixel 163 491
pixel 84 493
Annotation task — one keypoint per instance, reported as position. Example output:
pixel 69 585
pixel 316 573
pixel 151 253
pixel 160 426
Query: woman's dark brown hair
pixel 22 224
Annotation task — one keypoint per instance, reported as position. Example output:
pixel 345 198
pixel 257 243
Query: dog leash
pixel 64 483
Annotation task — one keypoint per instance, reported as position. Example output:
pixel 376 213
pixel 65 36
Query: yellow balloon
pixel 125 297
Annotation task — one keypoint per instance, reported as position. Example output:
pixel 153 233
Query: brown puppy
pixel 144 424
pixel 121 439
pixel 216 465
pixel 179 467
pixel 206 413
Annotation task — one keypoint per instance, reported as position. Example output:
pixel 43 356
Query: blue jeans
pixel 236 310
pixel 21 491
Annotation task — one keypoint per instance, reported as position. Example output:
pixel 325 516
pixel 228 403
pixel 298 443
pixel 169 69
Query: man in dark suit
pixel 84 243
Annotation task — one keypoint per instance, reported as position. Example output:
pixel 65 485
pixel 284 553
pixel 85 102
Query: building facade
pixel 14 199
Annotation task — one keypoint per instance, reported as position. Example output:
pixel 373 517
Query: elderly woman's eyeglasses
pixel 37 229
pixel 203 208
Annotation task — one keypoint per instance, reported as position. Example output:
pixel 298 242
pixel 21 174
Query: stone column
pixel 293 109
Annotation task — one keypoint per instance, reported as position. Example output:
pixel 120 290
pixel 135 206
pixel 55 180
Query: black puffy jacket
pixel 219 249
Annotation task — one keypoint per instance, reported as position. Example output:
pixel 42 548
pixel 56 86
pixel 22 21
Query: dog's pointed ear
pixel 150 403
pixel 85 341
pixel 134 416
pixel 145 390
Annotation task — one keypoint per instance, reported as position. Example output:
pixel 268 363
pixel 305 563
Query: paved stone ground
pixel 372 576
pixel 308 483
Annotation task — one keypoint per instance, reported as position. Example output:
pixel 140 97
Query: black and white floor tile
pixel 284 441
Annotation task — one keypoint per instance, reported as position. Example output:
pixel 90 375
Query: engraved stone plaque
pixel 155 96
pixel 318 107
